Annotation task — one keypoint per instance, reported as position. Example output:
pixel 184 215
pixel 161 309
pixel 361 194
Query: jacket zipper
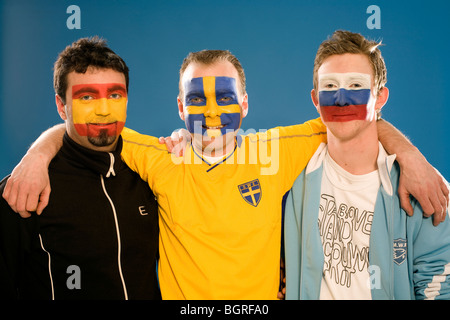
pixel 111 166
pixel 119 245
pixel 49 266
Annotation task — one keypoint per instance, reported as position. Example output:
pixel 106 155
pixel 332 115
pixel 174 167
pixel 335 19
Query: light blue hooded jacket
pixel 422 273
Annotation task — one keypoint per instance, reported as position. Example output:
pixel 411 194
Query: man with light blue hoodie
pixel 346 236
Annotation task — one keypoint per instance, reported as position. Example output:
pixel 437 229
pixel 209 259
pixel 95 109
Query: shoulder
pixel 141 142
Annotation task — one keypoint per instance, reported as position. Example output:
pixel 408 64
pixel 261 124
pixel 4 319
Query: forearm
pixel 48 144
pixel 418 178
pixel 395 142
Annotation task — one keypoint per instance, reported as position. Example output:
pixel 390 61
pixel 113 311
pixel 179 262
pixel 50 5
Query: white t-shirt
pixel 346 209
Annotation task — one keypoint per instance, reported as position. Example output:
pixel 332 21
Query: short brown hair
pixel 209 57
pixel 84 53
pixel 343 42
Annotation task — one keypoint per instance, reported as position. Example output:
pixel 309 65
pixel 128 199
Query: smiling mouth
pixel 344 115
pixel 213 128
pixel 97 126
pixel 102 124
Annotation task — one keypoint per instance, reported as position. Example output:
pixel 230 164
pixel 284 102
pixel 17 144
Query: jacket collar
pixel 104 163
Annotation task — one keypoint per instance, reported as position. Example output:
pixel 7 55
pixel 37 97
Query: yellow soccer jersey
pixel 220 224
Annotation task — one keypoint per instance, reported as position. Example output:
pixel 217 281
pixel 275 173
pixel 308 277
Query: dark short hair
pixel 84 53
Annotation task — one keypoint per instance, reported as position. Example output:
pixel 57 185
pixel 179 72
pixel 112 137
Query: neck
pixel 357 155
pixel 222 148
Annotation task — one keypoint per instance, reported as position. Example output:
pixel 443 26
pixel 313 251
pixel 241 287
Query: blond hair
pixel 209 57
pixel 343 42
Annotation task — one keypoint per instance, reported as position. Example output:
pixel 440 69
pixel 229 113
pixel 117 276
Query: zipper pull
pixel 111 166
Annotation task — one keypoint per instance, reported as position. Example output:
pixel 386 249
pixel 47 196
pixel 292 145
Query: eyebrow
pixel 365 78
pixel 117 87
pixel 86 89
pixel 99 89
pixel 194 94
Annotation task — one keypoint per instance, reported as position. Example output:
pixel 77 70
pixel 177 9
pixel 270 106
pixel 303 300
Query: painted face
pixel 99 111
pixel 212 106
pixel 345 96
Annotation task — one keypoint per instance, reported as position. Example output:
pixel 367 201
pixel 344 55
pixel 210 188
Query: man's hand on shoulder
pixel 177 141
pixel 28 188
pixel 421 180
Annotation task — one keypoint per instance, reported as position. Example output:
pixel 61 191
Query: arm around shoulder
pixel 144 154
pixel 28 188
pixel 418 177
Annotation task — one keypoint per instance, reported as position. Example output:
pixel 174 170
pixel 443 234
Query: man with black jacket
pixel 98 236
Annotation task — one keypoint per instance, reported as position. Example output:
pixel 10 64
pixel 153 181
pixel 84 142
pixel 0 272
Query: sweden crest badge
pixel 251 192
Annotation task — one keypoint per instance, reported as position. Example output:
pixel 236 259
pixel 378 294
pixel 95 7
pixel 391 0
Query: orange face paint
pixel 99 108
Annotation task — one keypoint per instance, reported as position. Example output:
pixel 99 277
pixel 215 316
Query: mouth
pixel 344 115
pixel 213 128
pixel 95 129
pixel 102 124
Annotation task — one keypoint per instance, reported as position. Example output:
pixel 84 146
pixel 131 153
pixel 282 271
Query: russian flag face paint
pixel 212 106
pixel 345 96
pixel 99 109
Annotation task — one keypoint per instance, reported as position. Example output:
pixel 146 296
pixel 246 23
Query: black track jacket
pixel 96 239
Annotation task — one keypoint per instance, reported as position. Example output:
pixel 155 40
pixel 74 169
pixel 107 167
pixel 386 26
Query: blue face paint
pixel 344 97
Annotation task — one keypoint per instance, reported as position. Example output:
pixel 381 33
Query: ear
pixel 180 108
pixel 315 99
pixel 61 107
pixel 244 106
pixel 382 98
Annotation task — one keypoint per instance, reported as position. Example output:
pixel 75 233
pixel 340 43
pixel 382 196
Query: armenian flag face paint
pixel 99 109
pixel 345 96
pixel 212 106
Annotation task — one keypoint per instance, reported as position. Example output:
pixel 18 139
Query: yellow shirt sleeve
pixel 145 155
pixel 297 145
pixel 289 149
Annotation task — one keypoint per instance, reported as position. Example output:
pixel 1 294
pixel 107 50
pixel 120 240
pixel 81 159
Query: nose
pixel 102 107
pixel 341 98
pixel 212 109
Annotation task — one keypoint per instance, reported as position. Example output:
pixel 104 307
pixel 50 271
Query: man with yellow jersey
pixel 220 206
pixel 220 203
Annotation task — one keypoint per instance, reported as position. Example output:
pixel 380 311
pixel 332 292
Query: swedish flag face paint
pixel 212 106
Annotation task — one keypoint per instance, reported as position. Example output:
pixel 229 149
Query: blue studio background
pixel 275 40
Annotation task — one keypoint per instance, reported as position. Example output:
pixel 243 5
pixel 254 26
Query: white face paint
pixel 348 81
